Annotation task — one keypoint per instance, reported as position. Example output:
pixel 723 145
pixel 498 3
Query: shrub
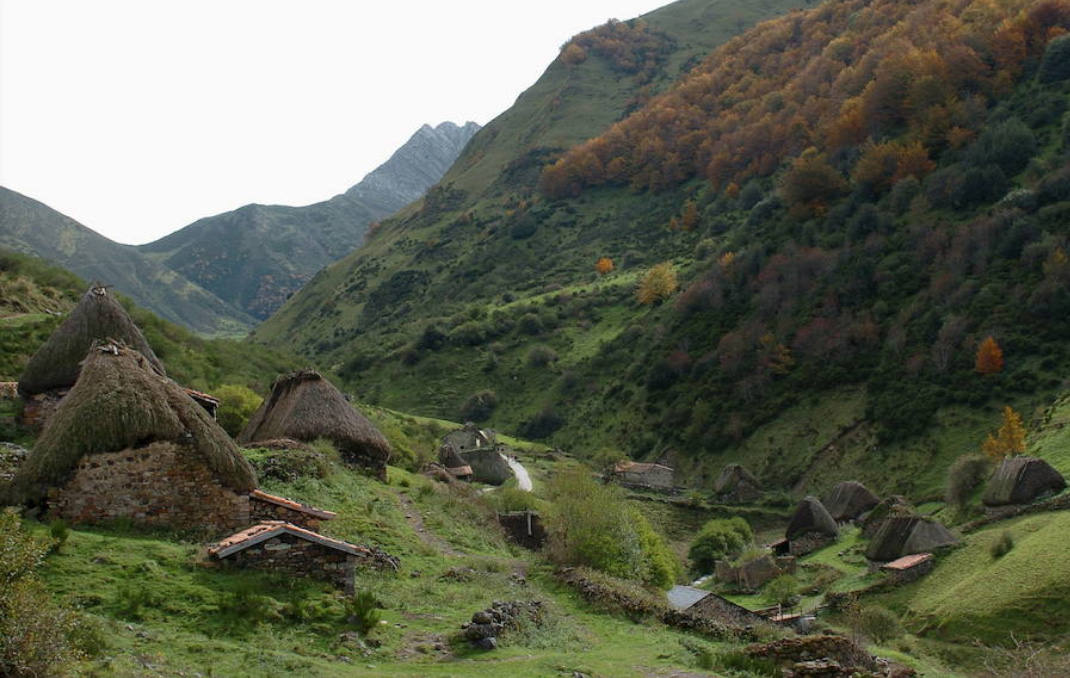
pixel 741 662
pixel 879 623
pixel 1056 63
pixel 479 406
pixel 591 524
pixel 236 404
pixel 543 424
pixel 362 612
pixel 964 476
pixel 657 285
pixel 782 589
pixel 718 539
pixel 541 356
pixel 1001 546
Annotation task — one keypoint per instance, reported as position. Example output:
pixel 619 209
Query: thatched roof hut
pixel 892 505
pixel 736 484
pixel 122 403
pixel 1020 480
pixel 849 499
pixel 811 516
pixel 904 535
pixel 305 406
pixel 98 317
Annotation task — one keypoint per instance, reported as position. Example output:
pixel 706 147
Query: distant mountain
pixel 32 227
pixel 255 257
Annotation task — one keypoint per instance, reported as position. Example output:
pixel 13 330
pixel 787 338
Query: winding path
pixel 523 480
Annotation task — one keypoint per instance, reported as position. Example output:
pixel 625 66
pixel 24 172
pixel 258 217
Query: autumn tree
pixel 689 217
pixel 1009 439
pixel 604 265
pixel 658 284
pixel 989 357
pixel 811 184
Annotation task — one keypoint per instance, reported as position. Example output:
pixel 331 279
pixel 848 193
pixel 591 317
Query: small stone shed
pixel 451 461
pixel 264 506
pixel 305 406
pixel 53 370
pixel 128 442
pixel 469 438
pixel 710 606
pixel 909 568
pixel 737 485
pixel 642 475
pixel 524 528
pixel 279 546
pixel 1021 480
pixel 849 500
pixel 904 535
pixel 811 527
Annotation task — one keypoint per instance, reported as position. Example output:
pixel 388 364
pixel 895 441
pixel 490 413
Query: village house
pixel 909 568
pixel 127 442
pixel 710 606
pixel 475 454
pixel 304 406
pixel 645 476
pixel 811 527
pixel 849 500
pixel 1022 480
pixel 264 506
pixel 279 546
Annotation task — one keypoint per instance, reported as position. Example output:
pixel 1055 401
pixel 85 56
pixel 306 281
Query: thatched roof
pixel 811 516
pixel 1020 480
pixel 903 535
pixel 891 505
pixel 850 499
pixel 98 317
pixel 305 406
pixel 731 476
pixel 121 402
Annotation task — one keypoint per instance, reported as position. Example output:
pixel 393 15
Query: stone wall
pixel 260 510
pixel 162 484
pixel 293 555
pixel 524 528
pixel 37 409
pixel 808 543
pixel 655 478
pixel 910 574
pixel 725 611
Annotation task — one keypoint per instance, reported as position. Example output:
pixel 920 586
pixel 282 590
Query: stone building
pixel 304 406
pixel 279 546
pixel 909 568
pixel 711 606
pixel 849 500
pixel 1022 480
pixel 264 506
pixel 811 527
pixel 524 528
pixel 642 476
pixel 127 442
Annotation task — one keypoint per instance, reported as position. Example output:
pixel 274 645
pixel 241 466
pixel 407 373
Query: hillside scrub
pixel 592 525
pixel 719 539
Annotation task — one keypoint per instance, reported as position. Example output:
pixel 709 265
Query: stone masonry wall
pixel 159 485
pixel 289 554
pixel 260 510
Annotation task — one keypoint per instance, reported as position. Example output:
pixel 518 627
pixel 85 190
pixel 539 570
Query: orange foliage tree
pixel 989 357
pixel 658 284
pixel 604 265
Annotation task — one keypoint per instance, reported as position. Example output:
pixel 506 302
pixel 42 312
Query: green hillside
pixel 31 227
pixel 810 330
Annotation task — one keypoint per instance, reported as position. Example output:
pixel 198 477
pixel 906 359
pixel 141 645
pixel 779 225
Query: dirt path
pixel 412 515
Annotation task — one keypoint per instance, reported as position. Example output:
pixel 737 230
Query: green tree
pixel 236 404
pixel 718 539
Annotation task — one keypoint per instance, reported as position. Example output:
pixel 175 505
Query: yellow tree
pixel 658 283
pixel 1009 439
pixel 603 265
pixel 989 357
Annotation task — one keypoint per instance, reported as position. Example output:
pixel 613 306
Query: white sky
pixel 137 117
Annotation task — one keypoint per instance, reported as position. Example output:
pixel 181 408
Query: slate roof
pixel 274 528
pixel 292 505
pixel 683 597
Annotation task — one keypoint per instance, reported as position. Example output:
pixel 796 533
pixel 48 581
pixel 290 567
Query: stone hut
pixel 1021 480
pixel 737 485
pixel 848 500
pixel 453 463
pixel 811 527
pixel 264 507
pixel 488 466
pixel 893 505
pixel 524 528
pixel 909 568
pixel 469 438
pixel 305 406
pixel 642 476
pixel 904 535
pixel 127 442
pixel 709 605
pixel 477 451
pixel 753 573
pixel 283 547
pixel 53 370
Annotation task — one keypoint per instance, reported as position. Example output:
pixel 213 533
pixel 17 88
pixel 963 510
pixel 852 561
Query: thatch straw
pixel 850 499
pixel 811 516
pixel 1020 480
pixel 120 402
pixel 98 317
pixel 305 406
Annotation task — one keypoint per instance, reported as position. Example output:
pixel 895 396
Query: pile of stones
pixel 487 625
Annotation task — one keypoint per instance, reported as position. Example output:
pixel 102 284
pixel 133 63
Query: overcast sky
pixel 137 117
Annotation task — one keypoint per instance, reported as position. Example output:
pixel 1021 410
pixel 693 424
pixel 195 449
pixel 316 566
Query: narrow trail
pixel 413 517
pixel 523 480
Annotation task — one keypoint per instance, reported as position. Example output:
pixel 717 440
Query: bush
pixel 658 284
pixel 541 356
pixel 591 524
pixel 1001 546
pixel 362 612
pixel 236 404
pixel 1056 63
pixel 965 475
pixel 543 424
pixel 879 623
pixel 719 539
pixel 479 406
pixel 782 590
